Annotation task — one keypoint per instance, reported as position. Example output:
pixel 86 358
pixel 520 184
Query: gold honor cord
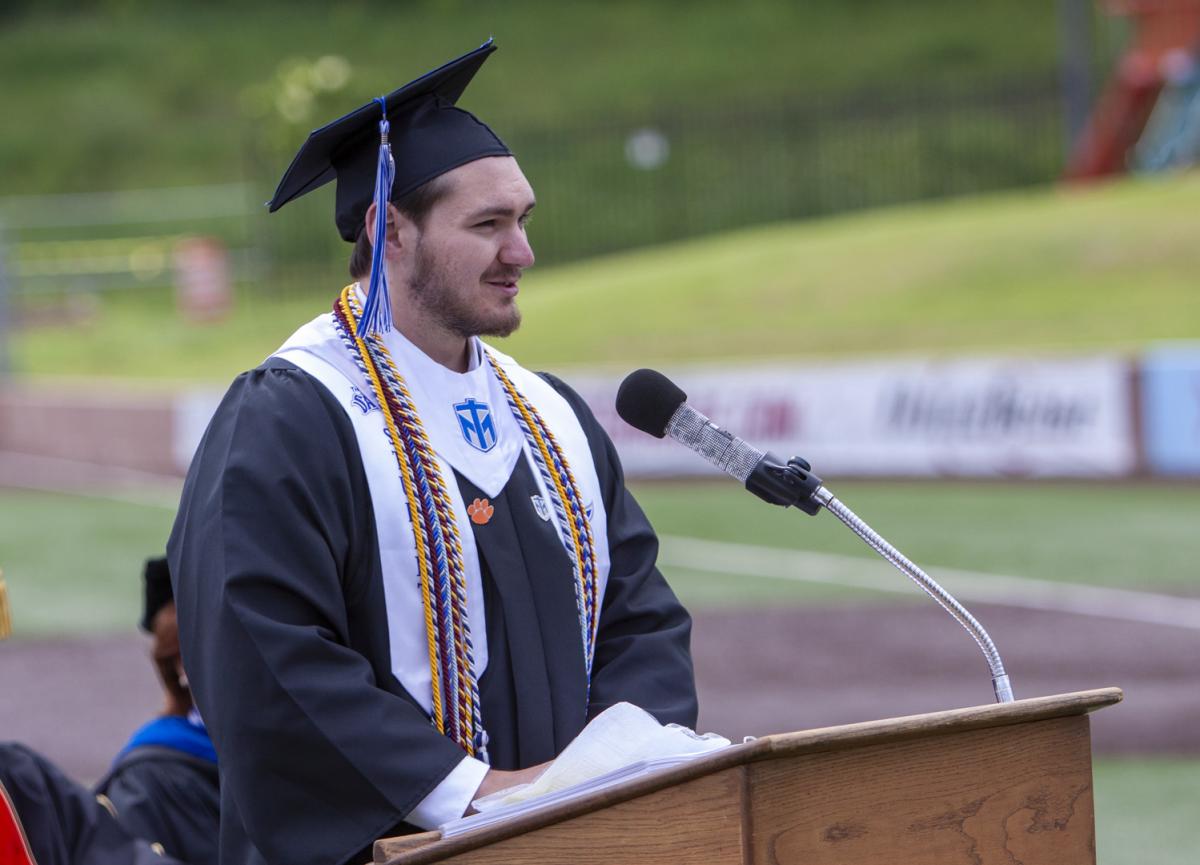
pixel 404 430
pixel 582 543
pixel 414 509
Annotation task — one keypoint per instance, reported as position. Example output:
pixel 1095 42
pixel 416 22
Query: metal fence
pixel 602 187
pixel 92 243
pixel 615 187
pixel 609 186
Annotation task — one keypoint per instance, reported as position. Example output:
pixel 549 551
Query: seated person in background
pixel 161 794
pixel 164 784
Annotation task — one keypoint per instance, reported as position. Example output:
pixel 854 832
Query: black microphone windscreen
pixel 647 399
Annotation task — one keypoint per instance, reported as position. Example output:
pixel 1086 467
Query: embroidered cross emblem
pixel 475 421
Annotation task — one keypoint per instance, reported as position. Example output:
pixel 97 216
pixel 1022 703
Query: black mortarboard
pixel 156 591
pixel 429 136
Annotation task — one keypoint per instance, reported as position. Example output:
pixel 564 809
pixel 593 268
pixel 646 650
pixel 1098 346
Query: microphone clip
pixel 788 484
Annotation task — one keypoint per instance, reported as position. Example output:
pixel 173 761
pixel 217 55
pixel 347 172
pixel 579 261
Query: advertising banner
pixel 1170 379
pixel 987 417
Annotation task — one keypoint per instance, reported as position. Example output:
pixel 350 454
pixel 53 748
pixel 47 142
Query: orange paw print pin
pixel 480 511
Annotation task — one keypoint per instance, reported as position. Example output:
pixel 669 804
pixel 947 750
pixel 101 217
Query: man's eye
pixel 487 223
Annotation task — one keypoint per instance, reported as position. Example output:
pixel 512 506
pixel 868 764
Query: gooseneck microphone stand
pixel 794 484
pixel 1000 683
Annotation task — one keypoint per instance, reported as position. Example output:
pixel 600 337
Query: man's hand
pixel 497 779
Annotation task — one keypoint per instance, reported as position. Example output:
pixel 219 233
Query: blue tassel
pixel 377 308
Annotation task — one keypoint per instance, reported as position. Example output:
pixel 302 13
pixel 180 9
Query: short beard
pixel 429 290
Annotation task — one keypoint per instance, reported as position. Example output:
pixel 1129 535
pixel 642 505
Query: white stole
pixel 317 349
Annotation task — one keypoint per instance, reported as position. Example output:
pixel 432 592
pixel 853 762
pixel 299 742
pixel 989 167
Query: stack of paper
pixel 621 743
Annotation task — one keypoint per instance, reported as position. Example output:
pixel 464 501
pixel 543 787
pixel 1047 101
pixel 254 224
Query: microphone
pixel 649 401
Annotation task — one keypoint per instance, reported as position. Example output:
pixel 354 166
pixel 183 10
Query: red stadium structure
pixel 1165 32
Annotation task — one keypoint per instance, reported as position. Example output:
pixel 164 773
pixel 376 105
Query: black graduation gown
pixel 283 628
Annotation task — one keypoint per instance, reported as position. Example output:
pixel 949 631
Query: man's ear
pixel 392 233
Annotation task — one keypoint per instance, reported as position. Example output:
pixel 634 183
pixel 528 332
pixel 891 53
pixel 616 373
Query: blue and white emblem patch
pixel 475 421
pixel 364 403
pixel 540 507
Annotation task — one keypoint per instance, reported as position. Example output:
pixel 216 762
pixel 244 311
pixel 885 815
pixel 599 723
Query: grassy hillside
pixel 1113 267
pixel 1077 269
pixel 132 93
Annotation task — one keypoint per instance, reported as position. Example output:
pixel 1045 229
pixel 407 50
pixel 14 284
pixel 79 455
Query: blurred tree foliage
pixel 753 111
pixel 103 94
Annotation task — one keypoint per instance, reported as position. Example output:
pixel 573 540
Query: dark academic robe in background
pixel 157 798
pixel 284 632
pixel 168 797
pixel 60 820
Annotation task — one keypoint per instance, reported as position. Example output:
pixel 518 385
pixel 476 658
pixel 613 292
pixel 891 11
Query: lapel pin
pixel 480 511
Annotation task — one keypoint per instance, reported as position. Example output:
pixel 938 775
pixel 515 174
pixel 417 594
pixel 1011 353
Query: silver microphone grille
pixel 724 450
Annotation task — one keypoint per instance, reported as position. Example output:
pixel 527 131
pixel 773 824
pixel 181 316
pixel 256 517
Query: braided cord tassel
pixel 452 574
pixel 449 657
pixel 443 583
pixel 347 319
pixel 583 527
pixel 564 494
pixel 448 632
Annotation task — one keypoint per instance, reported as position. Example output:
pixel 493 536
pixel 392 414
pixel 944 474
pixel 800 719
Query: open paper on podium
pixel 621 743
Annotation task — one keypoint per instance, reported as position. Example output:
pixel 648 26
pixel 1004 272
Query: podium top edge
pixel 908 726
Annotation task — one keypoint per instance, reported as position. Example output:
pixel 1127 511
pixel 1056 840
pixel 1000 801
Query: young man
pixel 407 569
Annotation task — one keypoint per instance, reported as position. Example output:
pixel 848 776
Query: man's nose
pixel 516 251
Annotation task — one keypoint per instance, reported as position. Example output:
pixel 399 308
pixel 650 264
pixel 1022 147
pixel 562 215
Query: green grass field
pixel 1105 268
pixel 1109 535
pixel 73 563
pixel 1146 811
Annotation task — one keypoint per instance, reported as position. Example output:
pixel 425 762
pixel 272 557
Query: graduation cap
pixel 386 149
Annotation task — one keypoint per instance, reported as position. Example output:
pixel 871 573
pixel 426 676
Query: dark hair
pixel 415 205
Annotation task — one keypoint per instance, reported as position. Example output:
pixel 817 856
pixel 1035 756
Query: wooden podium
pixel 1002 783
